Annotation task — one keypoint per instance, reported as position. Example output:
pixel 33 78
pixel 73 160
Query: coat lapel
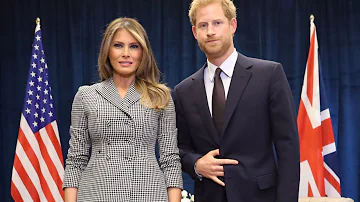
pixel 199 93
pixel 108 91
pixel 240 79
pixel 132 95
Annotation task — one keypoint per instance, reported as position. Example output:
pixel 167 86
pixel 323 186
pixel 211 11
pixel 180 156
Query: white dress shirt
pixel 227 68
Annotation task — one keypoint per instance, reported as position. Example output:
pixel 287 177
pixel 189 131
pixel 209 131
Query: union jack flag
pixel 38 168
pixel 319 173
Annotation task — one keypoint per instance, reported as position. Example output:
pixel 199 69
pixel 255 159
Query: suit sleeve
pixel 78 153
pixel 285 136
pixel 169 158
pixel 187 153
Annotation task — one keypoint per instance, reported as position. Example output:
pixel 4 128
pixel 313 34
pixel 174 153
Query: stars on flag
pixel 38 109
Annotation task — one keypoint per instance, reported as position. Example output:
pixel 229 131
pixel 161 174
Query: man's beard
pixel 216 50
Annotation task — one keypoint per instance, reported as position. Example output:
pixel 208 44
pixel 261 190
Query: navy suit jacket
pixel 259 116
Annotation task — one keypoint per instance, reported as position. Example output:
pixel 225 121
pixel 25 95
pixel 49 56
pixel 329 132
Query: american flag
pixel 319 174
pixel 38 168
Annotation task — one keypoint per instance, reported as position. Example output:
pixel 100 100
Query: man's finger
pixel 219 173
pixel 214 152
pixel 217 168
pixel 217 180
pixel 226 161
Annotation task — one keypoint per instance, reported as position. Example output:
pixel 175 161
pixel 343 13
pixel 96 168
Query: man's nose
pixel 210 31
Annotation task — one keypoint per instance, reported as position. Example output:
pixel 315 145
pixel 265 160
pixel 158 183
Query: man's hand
pixel 210 167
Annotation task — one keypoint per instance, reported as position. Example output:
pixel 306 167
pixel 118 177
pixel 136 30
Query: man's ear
pixel 193 29
pixel 233 25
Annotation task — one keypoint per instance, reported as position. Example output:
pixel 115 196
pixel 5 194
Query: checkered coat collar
pixel 107 89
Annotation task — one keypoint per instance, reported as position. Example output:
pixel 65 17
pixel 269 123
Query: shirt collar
pixel 227 66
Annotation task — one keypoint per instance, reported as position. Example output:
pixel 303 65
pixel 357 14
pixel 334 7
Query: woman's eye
pixel 134 46
pixel 117 45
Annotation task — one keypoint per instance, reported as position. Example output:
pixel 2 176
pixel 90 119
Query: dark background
pixel 275 30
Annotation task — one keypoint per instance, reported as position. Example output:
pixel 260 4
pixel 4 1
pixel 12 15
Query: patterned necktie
pixel 218 102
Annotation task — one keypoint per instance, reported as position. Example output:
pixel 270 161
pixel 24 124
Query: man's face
pixel 213 31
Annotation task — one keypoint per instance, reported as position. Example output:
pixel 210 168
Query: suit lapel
pixel 240 79
pixel 199 93
pixel 109 92
pixel 132 95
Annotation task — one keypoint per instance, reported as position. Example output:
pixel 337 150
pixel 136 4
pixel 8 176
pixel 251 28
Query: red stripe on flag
pixel 25 179
pixel 49 163
pixel 15 193
pixel 52 135
pixel 311 147
pixel 310 69
pixel 327 132
pixel 310 193
pixel 329 177
pixel 36 165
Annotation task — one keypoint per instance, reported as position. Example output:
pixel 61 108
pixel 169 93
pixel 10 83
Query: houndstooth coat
pixel 112 147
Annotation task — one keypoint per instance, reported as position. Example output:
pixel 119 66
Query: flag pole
pixel 38 136
pixel 312 18
pixel 319 172
pixel 37 28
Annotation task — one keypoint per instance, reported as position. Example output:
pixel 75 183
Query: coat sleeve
pixel 78 153
pixel 169 158
pixel 285 136
pixel 187 154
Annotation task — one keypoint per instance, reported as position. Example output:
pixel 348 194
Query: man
pixel 231 114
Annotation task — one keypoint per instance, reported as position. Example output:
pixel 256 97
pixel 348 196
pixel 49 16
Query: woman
pixel 115 124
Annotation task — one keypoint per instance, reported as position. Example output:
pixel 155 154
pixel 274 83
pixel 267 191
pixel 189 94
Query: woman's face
pixel 125 54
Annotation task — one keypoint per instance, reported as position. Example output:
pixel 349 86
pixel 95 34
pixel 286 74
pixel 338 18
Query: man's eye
pixel 202 25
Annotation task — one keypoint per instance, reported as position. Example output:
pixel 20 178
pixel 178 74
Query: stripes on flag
pixel 319 174
pixel 38 168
